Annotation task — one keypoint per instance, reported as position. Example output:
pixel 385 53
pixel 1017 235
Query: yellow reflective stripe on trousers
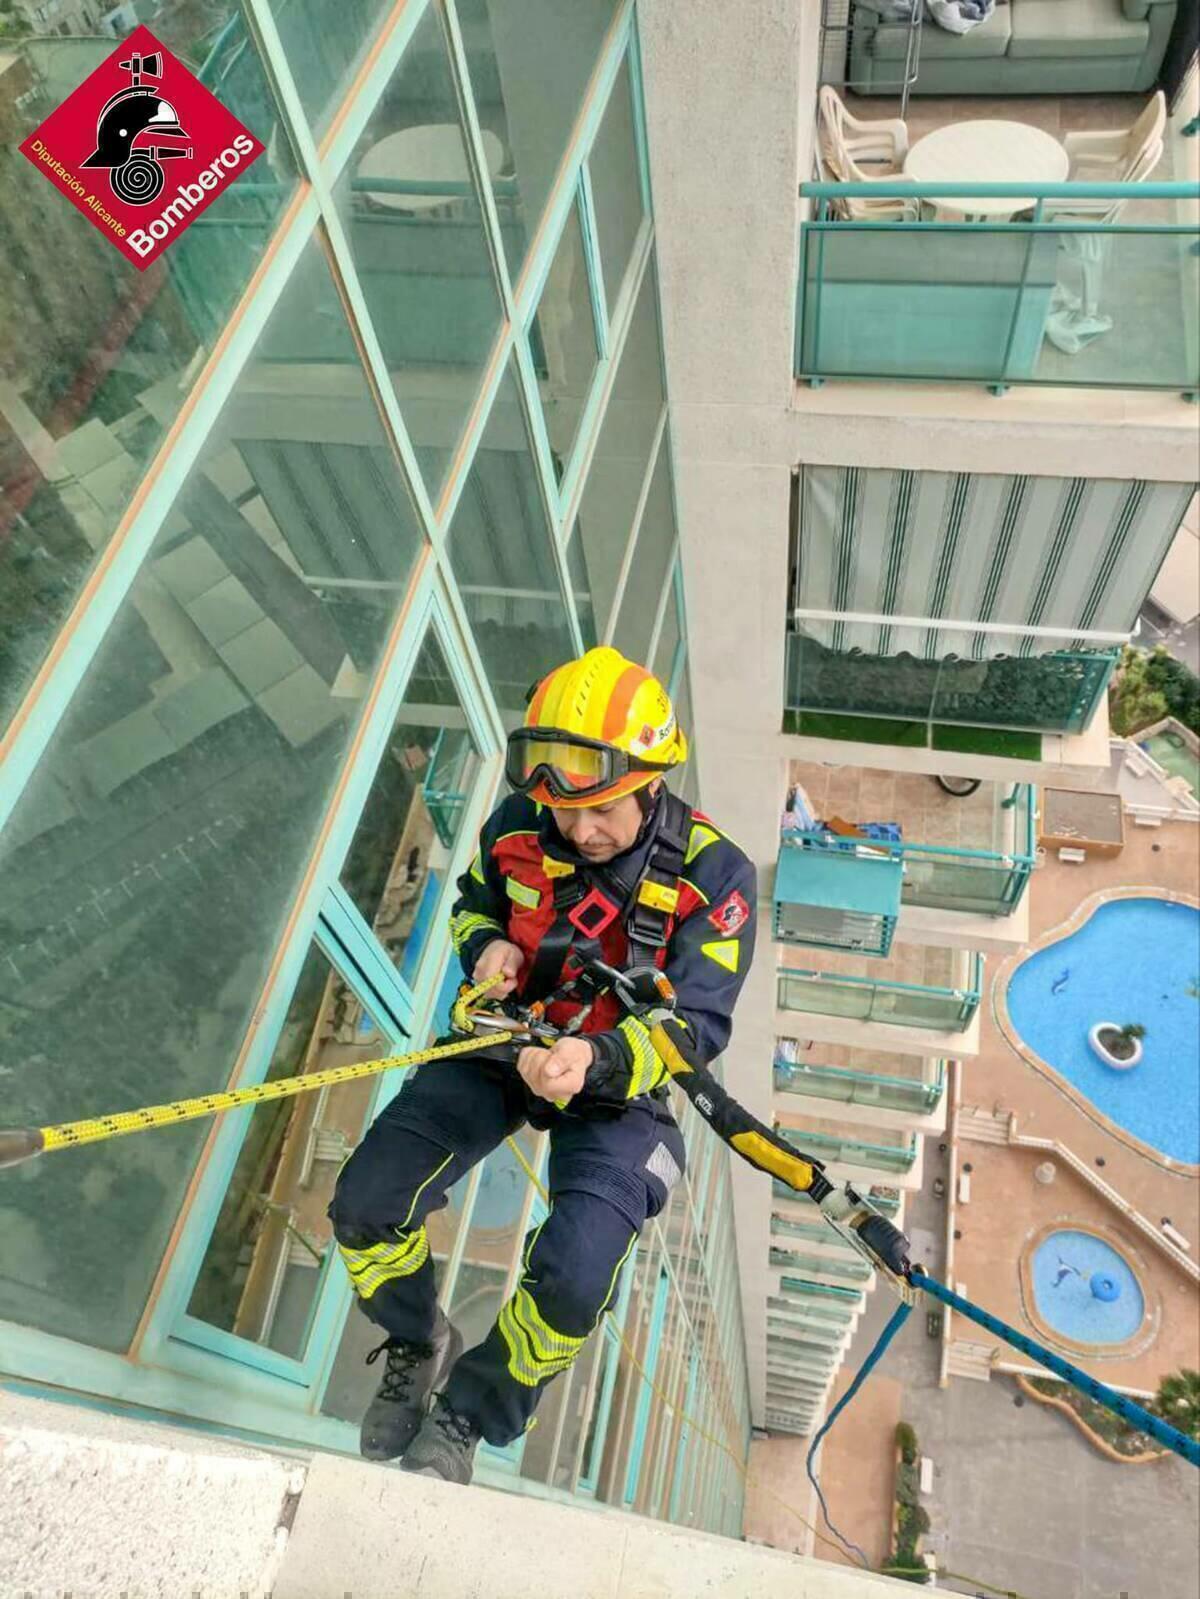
pixel 535 1351
pixel 648 1069
pixel 370 1268
pixel 468 922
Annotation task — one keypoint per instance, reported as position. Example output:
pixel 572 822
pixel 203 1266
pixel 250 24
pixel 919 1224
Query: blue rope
pixel 899 1317
pixel 1120 1404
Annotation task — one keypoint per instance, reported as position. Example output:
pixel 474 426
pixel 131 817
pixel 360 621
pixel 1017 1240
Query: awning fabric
pixel 970 547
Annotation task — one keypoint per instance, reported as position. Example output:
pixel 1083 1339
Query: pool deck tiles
pixel 1006 1205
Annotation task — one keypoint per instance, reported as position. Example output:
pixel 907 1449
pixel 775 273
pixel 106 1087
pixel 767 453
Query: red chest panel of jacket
pixel 519 857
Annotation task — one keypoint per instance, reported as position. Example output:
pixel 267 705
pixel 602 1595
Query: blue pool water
pixel 1064 1265
pixel 1134 960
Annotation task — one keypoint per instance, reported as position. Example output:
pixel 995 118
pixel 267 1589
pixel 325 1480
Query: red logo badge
pixel 730 916
pixel 141 148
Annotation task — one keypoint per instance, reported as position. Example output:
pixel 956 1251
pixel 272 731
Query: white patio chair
pixel 1125 155
pixel 848 146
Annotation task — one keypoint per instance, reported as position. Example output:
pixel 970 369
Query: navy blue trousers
pixel 608 1175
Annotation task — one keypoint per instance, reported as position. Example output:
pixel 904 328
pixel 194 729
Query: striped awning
pixel 975 565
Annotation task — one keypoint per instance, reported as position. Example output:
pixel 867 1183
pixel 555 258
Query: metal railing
pixel 871 999
pixel 848 1269
pixel 988 882
pixel 998 302
pixel 850 1087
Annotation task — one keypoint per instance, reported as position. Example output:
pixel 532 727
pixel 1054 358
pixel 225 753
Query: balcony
pixel 1002 299
pixel 839 1147
pixel 821 1267
pixel 842 1302
pixel 886 1200
pixel 908 1085
pixel 964 853
pixel 927 1006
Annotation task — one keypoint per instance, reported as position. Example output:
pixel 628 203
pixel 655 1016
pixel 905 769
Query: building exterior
pixel 893 575
pixel 291 521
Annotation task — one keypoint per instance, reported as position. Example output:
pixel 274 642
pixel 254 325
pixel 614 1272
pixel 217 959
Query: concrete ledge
pixel 886 1036
pixel 94 1506
pixel 99 1507
pixel 993 935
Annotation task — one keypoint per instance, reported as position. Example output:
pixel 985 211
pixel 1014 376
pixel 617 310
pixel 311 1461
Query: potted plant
pixel 1118 1047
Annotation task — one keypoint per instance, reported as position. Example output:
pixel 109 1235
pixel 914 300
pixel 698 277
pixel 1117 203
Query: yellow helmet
pixel 596 729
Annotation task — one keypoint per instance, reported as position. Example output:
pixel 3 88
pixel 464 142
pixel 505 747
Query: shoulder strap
pixel 657 895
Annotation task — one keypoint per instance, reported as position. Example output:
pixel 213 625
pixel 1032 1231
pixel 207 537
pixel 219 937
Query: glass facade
pixel 276 569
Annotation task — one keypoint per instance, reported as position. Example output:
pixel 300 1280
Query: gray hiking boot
pixel 412 1372
pixel 444 1447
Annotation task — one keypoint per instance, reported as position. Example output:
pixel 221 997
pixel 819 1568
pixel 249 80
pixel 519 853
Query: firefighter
pixel 590 858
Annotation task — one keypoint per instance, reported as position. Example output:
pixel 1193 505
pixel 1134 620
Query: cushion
pixel 988 40
pixel 1070 28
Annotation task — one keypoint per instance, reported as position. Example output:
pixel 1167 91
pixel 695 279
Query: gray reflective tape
pixel 662 1165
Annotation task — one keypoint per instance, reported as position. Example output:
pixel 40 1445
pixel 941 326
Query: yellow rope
pixel 740 1465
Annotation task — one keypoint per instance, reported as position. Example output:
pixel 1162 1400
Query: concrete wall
pixel 97 1507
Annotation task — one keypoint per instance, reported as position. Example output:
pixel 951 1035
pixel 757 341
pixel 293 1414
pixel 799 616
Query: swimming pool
pixel 1133 960
pixel 1085 1289
pixel 1172 754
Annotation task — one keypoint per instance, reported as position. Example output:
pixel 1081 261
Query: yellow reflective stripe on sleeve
pixel 648 1069
pixel 477 867
pixel 699 839
pixel 726 952
pixel 370 1268
pixel 796 1173
pixel 467 923
pixel 522 894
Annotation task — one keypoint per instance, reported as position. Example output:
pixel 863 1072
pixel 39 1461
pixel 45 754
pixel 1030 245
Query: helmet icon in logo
pixel 135 172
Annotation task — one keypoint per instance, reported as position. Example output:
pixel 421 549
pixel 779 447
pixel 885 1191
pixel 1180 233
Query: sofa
pixel 1024 47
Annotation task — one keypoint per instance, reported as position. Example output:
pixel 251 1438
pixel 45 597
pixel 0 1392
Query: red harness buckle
pixel 594 913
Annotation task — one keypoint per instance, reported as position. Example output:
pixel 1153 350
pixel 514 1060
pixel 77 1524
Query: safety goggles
pixel 571 767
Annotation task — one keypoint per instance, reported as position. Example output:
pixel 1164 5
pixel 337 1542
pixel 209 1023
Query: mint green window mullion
pixel 591 248
pixel 685 1436
pixel 639 115
pixel 612 1357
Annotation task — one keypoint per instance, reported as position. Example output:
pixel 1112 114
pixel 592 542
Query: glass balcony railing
pixel 849 1269
pixel 853 1151
pixel 803 1289
pixel 987 882
pixel 869 999
pixel 927 700
pixel 885 1200
pixel 1015 298
pixel 815 1232
pixel 861 1088
pixel 798 1305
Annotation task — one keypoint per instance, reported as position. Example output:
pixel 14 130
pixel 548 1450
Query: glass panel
pixel 529 66
pixel 668 641
pixel 858 1088
pixel 495 1238
pixel 400 854
pixel 324 59
pixel 616 186
pixel 416 232
pixel 148 871
pixel 577 571
pixel 266 1260
pixel 999 303
pixel 582 1405
pixel 651 560
pixel 563 343
pixel 618 465
pixel 97 378
pixel 499 548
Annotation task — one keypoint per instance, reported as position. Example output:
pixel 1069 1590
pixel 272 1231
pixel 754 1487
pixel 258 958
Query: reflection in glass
pixel 93 379
pixel 563 341
pixel 495 1238
pixel 618 465
pixel 323 58
pixel 668 644
pixel 151 865
pixel 270 1250
pixel 412 216
pixel 651 558
pixel 400 853
pixel 499 547
pixel 529 65
pixel 616 186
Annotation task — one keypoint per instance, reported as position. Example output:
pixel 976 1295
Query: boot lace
pixel 457 1429
pixel 402 1362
